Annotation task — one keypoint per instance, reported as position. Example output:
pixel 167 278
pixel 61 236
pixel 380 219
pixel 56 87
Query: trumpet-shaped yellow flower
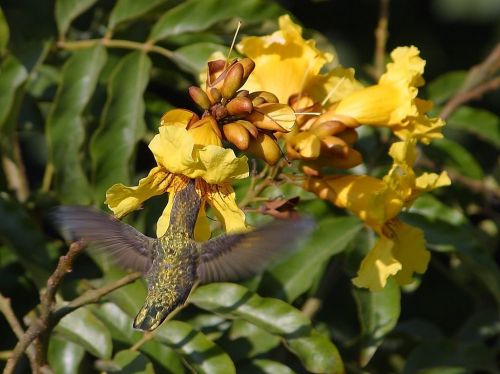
pixel 183 154
pixel 286 64
pixel 400 250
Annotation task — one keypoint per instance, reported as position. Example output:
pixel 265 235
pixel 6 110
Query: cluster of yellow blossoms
pixel 251 102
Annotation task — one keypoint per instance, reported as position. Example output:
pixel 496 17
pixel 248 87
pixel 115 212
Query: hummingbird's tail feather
pixel 157 307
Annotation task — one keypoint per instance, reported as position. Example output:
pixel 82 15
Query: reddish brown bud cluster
pixel 247 120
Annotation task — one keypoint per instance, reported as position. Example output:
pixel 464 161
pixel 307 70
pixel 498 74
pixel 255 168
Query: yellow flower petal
pixel 284 61
pixel 123 200
pixel 431 181
pixel 378 265
pixel 367 197
pixel 407 67
pixel 223 202
pixel 201 228
pixel 306 144
pixel 178 117
pixel 174 149
pixel 409 249
pixel 335 85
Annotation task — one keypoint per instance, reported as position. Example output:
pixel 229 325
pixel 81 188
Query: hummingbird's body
pixel 173 263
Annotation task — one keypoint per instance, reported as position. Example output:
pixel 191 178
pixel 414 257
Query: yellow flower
pixel 400 250
pixel 393 101
pixel 181 155
pixel 286 64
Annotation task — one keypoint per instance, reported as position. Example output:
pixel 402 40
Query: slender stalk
pixel 381 36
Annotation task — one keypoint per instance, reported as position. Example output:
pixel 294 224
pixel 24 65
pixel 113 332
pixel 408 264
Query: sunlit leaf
pixel 83 328
pixel 12 76
pixel 68 10
pixel 198 15
pixel 4 32
pixel 316 352
pixel 264 366
pixel 445 86
pixel 378 313
pixel 122 123
pixel 64 356
pixel 200 352
pixel 194 57
pixel 64 127
pixel 296 275
pixel 129 362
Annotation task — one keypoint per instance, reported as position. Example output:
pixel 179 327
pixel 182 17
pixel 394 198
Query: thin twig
pixel 479 80
pixel 115 43
pixel 381 36
pixel 475 185
pixel 16 327
pixel 467 96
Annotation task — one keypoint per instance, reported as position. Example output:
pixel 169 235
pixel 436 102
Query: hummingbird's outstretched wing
pixel 124 243
pixel 238 256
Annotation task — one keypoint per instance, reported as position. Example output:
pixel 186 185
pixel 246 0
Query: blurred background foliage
pixel 77 117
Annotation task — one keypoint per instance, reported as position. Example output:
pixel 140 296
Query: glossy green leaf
pixel 434 209
pixel 83 328
pixel 264 366
pixel 248 340
pixel 129 10
pixel 315 351
pixel 194 57
pixel 68 10
pixel 445 86
pixel 23 237
pixel 65 128
pixel 455 156
pixel 122 123
pixel 64 356
pixel 198 15
pixel 480 122
pixel 199 351
pixel 4 32
pixel 296 275
pixel 12 75
pixel 378 313
pixel 130 362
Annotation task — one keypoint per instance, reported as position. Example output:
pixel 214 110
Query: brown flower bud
pixel 266 148
pixel 334 146
pixel 350 136
pixel 268 97
pixel 216 72
pixel 250 127
pixel 215 95
pixel 236 134
pixel 232 82
pixel 272 117
pixel 248 66
pixel 352 159
pixel 258 101
pixel 239 105
pixel 327 128
pixel 200 97
pixel 242 93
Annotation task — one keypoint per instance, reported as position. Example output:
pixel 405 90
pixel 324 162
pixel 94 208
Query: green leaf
pixel 200 352
pixel 129 10
pixel 68 10
pixel 122 123
pixel 4 32
pixel 25 239
pixel 264 366
pixel 429 206
pixel 83 328
pixel 445 86
pixel 64 356
pixel 193 58
pixel 65 128
pixel 130 362
pixel 12 76
pixel 198 15
pixel 248 340
pixel 296 275
pixel 315 351
pixel 378 313
pixel 480 122
pixel 455 156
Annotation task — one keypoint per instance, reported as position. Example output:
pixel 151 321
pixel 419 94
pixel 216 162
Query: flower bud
pixel 327 128
pixel 350 136
pixel 232 82
pixel 237 134
pixel 250 127
pixel 248 66
pixel 215 95
pixel 242 93
pixel 265 148
pixel 268 97
pixel 273 117
pixel 239 105
pixel 334 146
pixel 216 72
pixel 352 159
pixel 200 97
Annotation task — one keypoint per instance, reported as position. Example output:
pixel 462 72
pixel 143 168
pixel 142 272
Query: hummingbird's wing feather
pixel 124 243
pixel 237 256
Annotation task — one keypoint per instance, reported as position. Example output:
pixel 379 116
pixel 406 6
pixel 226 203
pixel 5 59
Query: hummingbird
pixel 173 263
